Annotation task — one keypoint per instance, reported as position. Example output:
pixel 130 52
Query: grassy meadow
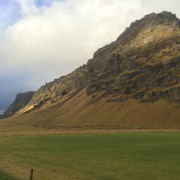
pixel 6 176
pixel 147 155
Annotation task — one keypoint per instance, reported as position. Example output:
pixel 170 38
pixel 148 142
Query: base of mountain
pixel 96 112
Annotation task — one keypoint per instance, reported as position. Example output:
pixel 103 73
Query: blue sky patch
pixel 40 3
pixel 9 13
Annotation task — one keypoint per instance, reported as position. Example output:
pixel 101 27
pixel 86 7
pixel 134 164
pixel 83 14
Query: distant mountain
pixel 1 111
pixel 20 102
pixel 136 79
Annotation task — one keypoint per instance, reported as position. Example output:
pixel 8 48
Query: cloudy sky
pixel 43 39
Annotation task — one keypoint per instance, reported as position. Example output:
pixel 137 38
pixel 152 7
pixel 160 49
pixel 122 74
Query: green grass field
pixel 154 155
pixel 5 176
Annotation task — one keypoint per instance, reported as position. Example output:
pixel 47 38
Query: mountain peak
pixel 153 19
pixel 165 18
pixel 150 21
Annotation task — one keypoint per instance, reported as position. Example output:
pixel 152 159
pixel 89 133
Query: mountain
pixel 132 82
pixel 20 102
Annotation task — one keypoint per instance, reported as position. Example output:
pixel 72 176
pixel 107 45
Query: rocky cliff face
pixel 142 64
pixel 20 102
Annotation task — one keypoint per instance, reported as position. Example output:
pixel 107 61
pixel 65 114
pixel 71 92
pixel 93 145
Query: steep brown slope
pixel 138 71
pixel 85 112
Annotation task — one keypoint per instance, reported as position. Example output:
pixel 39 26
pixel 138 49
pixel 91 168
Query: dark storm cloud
pixel 10 86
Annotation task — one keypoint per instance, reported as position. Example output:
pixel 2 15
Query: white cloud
pixel 149 6
pixel 66 33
